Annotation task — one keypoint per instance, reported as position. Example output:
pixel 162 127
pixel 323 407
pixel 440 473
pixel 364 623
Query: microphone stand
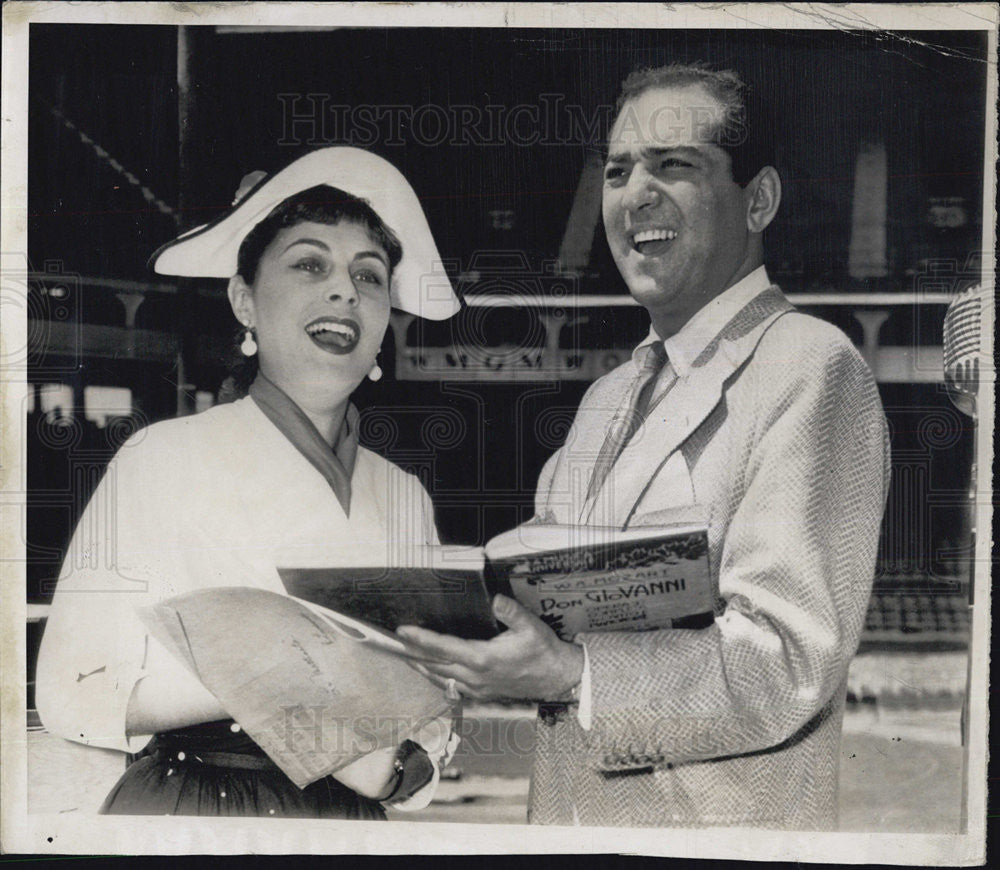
pixel 968 341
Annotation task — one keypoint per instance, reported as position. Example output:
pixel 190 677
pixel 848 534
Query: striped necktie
pixel 628 420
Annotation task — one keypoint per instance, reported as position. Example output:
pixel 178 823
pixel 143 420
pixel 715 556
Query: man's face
pixel 675 219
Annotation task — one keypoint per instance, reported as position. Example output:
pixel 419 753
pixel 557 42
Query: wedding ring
pixel 451 690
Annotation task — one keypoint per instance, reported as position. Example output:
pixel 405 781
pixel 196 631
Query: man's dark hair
pixel 321 204
pixel 747 142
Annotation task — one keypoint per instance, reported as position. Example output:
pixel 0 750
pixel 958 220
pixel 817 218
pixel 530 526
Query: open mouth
pixel 334 334
pixel 652 242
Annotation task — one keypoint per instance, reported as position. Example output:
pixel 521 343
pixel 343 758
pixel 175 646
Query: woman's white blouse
pixel 197 501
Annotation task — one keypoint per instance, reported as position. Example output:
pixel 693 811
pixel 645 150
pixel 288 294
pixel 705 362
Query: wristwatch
pixel 412 770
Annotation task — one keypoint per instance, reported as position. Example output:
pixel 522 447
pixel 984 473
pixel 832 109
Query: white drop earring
pixel 376 371
pixel 249 346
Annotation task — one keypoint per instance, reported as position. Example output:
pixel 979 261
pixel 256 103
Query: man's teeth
pixel 654 236
pixel 339 328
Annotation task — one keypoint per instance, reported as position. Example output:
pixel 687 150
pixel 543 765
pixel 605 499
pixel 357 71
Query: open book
pixel 576 578
pixel 315 690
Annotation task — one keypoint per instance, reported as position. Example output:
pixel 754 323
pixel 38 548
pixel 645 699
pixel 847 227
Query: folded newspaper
pixel 314 689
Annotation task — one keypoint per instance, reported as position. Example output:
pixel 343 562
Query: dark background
pixel 921 94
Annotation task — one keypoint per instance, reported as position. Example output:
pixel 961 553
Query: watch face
pixel 413 770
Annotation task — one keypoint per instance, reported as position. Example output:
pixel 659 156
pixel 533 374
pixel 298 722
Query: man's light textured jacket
pixel 783 435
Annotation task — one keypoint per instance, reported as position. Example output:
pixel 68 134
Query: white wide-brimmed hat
pixel 419 283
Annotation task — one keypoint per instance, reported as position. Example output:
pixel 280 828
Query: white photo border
pixel 21 832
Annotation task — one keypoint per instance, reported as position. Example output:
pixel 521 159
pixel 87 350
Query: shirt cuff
pixel 86 700
pixel 583 707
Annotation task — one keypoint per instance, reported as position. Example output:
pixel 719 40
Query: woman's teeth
pixel 338 328
pixel 335 336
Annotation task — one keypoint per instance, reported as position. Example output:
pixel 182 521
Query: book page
pixel 540 536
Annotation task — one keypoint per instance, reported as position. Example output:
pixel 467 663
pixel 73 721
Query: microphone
pixel 968 313
pixel 963 330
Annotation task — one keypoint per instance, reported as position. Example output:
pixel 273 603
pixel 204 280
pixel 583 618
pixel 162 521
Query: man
pixel 770 421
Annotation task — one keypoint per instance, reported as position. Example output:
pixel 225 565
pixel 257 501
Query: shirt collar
pixel 684 347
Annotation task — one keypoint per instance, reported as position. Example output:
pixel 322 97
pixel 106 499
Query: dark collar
pixel 336 464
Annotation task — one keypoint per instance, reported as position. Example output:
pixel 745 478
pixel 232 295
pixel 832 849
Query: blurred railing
pixel 500 337
pixel 545 353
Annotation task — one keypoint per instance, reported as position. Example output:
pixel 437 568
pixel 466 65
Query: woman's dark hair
pixel 321 204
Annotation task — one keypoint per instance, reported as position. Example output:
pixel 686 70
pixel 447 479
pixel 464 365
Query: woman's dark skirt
pixel 213 770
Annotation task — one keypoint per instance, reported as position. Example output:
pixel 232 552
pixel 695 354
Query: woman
pixel 206 500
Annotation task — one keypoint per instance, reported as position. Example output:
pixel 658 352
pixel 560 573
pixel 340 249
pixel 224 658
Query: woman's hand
pixel 371 775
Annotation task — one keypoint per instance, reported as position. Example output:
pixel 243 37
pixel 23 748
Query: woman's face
pixel 320 306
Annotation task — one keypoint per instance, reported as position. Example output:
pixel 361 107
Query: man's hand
pixel 528 661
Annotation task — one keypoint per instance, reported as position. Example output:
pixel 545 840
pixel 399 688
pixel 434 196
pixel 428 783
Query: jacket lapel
pixel 567 495
pixel 690 401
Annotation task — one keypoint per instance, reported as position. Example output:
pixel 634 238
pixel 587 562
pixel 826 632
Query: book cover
pixel 586 578
pixel 575 578
pixel 442 588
